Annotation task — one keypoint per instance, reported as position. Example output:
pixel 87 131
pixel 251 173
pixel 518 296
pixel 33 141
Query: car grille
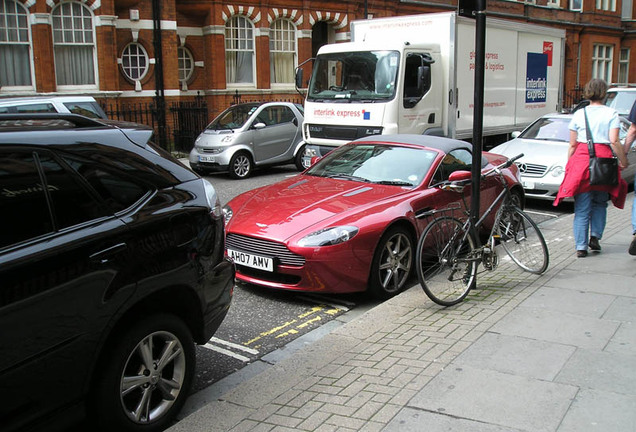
pixel 528 169
pixel 264 247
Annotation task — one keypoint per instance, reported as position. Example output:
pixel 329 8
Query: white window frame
pixel 606 5
pixel 553 3
pixel 287 44
pixel 623 66
pixel 184 56
pixel 6 39
pixel 64 32
pixel 141 70
pixel 575 8
pixel 602 59
pixel 239 38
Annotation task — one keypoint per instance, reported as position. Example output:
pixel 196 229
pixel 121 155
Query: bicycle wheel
pixel 446 262
pixel 522 240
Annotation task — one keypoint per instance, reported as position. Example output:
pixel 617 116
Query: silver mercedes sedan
pixel 545 147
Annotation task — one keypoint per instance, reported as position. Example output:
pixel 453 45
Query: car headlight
pixel 227 213
pixel 557 171
pixel 329 236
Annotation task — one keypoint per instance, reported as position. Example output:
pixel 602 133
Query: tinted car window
pixel 276 115
pixel 71 202
pixel 117 191
pixel 456 160
pixel 24 212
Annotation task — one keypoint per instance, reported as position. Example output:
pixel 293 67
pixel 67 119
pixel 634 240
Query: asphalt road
pixel 260 320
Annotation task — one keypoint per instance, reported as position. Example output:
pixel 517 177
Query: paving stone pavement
pixel 555 352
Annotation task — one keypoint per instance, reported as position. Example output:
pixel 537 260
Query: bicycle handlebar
pixel 504 165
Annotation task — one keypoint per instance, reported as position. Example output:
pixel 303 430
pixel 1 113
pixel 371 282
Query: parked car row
pixel 115 258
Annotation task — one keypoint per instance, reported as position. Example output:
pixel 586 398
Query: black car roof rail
pixel 75 119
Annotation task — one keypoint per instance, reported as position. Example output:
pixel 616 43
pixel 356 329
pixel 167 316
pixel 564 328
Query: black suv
pixel 111 267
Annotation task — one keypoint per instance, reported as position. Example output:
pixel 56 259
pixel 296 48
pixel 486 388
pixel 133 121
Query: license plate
pixel 251 260
pixel 206 159
pixel 527 184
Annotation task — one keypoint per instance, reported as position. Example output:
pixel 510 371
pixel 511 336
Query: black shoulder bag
pixel 603 171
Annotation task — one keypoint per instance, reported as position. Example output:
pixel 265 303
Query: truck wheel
pixel 145 379
pixel 240 165
pixel 298 160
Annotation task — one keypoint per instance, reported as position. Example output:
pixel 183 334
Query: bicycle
pixel 450 250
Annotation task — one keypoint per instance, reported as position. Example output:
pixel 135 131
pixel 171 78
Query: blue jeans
pixel 590 215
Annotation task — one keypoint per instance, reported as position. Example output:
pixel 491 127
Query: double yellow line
pixel 302 321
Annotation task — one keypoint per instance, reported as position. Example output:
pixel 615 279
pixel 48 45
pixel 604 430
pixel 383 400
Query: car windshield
pixel 621 101
pixel 548 129
pixel 376 163
pixel 233 118
pixel 354 76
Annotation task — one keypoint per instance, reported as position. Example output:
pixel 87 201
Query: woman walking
pixel 590 202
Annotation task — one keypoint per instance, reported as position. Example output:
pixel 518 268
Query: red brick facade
pixel 199 27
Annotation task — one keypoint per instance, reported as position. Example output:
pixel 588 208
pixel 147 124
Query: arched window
pixel 239 51
pixel 282 51
pixel 134 61
pixel 15 45
pixel 74 45
pixel 186 64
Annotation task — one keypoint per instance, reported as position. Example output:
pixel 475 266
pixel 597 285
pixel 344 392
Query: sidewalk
pixel 555 352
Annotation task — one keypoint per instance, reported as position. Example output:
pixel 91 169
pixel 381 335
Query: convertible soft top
pixel 444 144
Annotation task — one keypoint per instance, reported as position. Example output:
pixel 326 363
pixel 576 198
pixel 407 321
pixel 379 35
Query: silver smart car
pixel 249 135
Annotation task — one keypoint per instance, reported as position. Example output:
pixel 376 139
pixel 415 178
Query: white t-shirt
pixel 602 118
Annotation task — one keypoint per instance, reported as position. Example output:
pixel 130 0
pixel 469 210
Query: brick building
pixel 123 50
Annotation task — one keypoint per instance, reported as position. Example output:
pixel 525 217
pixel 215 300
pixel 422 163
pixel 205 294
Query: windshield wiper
pixel 347 177
pixel 394 183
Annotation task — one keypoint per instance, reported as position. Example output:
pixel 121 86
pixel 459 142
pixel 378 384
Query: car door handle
pixel 104 255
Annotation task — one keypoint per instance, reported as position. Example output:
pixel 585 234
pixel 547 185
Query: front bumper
pixel 540 187
pixel 333 269
pixel 210 161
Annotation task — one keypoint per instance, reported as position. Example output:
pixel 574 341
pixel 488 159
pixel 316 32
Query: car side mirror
pixel 515 134
pixel 259 125
pixel 458 176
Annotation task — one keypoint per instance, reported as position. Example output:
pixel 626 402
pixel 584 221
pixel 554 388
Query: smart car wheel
pixel 298 160
pixel 240 165
pixel 147 376
pixel 392 263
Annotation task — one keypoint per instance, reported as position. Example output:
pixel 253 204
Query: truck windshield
pixel 354 76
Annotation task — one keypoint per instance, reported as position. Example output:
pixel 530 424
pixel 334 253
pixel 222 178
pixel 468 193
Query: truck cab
pixel 357 90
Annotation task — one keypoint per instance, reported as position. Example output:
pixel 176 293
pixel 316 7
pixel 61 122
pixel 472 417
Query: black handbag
pixel 603 171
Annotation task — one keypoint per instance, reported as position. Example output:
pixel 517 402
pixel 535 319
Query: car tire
pixel 240 165
pixel 167 386
pixel 298 159
pixel 392 263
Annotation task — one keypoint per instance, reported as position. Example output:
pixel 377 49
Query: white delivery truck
pixel 415 74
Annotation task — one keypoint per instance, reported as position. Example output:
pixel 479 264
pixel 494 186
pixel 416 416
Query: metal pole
pixel 478 113
pixel 160 102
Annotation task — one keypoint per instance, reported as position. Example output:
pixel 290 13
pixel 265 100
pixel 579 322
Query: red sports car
pixel 349 222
